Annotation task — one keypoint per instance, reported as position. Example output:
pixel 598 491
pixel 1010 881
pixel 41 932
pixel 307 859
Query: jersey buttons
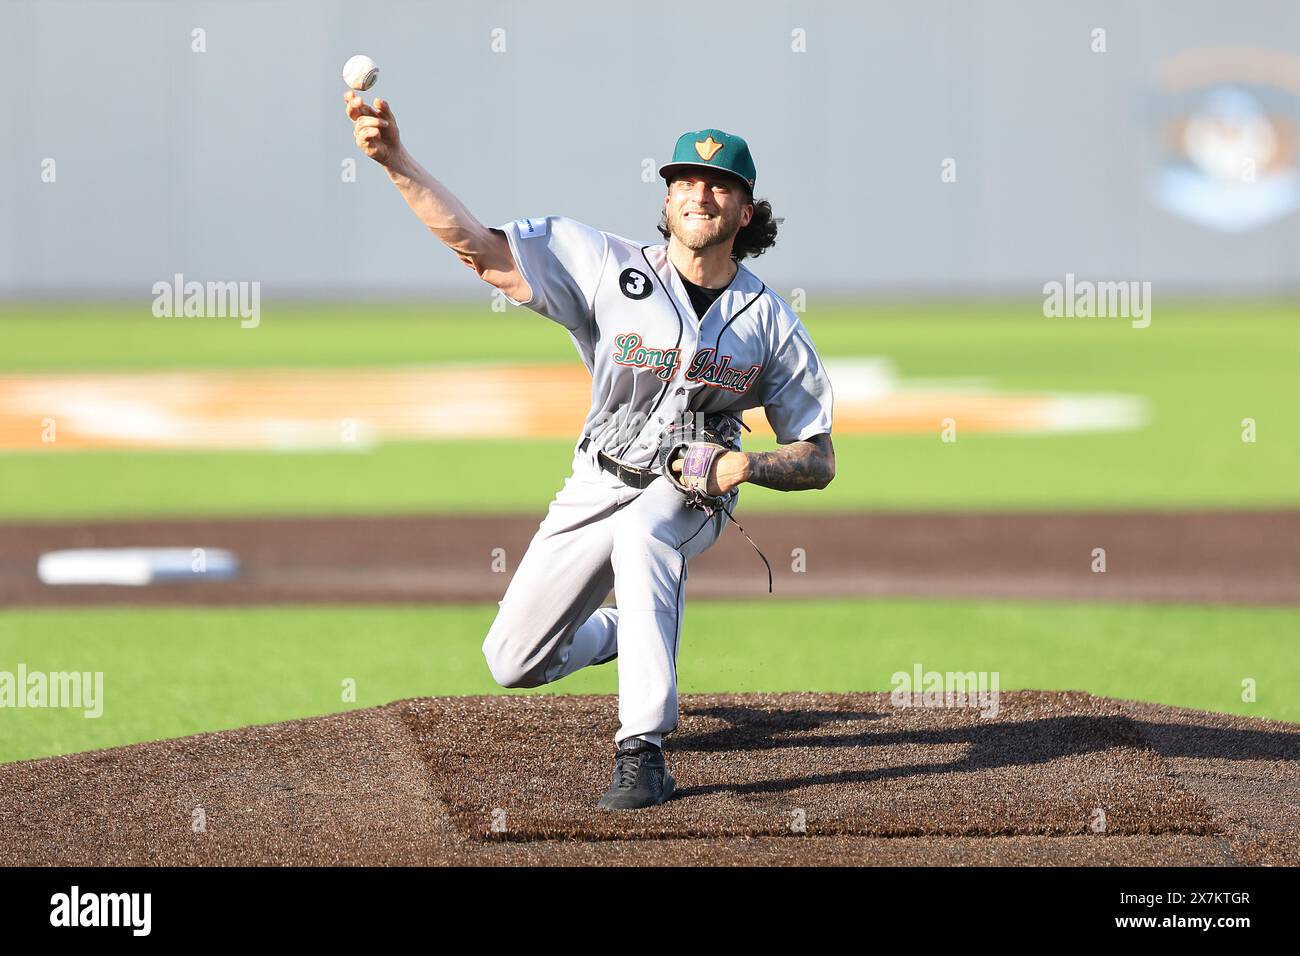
pixel 681 391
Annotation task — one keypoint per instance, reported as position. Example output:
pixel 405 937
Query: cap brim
pixel 667 169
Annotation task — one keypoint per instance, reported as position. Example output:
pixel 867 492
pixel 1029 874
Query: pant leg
pixel 548 624
pixel 654 539
pixel 594 642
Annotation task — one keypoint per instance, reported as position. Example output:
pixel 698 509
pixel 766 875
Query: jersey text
pixel 721 374
pixel 628 350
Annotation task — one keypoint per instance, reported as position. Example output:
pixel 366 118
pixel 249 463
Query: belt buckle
pixel 627 474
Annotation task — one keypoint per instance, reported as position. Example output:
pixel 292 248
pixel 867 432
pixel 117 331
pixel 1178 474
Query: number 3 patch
pixel 635 285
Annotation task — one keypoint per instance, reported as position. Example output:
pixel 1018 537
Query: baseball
pixel 360 72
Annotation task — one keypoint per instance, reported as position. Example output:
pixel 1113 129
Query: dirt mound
pixel 1238 558
pixel 760 765
pixel 1059 778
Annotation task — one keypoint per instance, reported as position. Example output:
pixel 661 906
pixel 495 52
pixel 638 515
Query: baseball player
pixel 679 339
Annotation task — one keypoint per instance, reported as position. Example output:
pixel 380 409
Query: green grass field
pixel 1202 368
pixel 171 672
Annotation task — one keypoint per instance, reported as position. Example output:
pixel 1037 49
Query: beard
pixel 702 234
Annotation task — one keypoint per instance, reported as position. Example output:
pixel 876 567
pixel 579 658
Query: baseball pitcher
pixel 679 339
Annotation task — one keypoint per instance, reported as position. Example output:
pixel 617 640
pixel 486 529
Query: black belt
pixel 629 475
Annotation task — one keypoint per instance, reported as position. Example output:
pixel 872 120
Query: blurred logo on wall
pixel 1227 130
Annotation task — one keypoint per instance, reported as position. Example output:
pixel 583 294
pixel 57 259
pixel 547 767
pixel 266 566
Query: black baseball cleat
pixel 641 779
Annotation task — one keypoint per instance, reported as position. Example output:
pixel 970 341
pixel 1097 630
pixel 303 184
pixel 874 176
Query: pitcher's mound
pixel 1051 777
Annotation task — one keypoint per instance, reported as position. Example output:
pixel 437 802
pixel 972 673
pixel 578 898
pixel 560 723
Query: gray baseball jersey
pixel 652 362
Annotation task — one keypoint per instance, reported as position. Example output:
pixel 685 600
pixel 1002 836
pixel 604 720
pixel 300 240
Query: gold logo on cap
pixel 707 148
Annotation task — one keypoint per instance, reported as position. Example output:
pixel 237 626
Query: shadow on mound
pixel 828 764
pixel 780 778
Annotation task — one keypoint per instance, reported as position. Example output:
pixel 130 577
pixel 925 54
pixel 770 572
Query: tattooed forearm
pixel 794 467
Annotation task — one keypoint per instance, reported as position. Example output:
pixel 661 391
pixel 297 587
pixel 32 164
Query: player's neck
pixel 711 267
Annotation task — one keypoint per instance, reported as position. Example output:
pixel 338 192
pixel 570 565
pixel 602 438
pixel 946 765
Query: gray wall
pixel 226 164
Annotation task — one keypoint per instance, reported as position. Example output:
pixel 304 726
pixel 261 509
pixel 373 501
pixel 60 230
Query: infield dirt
pixel 1230 557
pixel 1054 778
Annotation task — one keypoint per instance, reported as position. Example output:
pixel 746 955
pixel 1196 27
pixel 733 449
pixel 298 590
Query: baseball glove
pixel 697 447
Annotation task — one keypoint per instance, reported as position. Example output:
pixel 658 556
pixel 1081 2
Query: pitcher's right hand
pixel 374 128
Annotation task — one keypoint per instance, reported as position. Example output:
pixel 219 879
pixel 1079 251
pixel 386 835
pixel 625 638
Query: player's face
pixel 706 210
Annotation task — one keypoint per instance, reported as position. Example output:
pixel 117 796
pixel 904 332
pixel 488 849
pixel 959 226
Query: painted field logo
pixel 211 300
pixel 1107 300
pixel 82 690
pixel 977 690
pixel 720 374
pixel 75 908
pixel 628 350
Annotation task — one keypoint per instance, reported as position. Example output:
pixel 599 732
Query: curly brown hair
pixel 753 239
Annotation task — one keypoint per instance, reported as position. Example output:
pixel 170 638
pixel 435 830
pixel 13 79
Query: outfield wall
pixel 1169 156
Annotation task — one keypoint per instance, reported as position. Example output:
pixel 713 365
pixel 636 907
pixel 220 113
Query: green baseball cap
pixel 712 149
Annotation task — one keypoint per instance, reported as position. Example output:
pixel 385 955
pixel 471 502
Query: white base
pixel 136 566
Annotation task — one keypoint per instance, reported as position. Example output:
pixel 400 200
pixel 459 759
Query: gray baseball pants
pixel 600 534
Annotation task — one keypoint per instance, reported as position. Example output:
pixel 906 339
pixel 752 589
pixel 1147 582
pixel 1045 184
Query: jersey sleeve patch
pixel 528 228
pixel 561 260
